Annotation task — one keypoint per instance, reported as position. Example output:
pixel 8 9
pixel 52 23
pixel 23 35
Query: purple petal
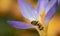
pixel 42 4
pixel 50 5
pixel 20 25
pixel 51 11
pixel 27 10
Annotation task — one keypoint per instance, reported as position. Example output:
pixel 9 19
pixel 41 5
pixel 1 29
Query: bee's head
pixel 34 22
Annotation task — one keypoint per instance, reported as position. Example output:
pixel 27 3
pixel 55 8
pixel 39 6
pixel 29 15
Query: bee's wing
pixel 20 25
pixel 50 10
pixel 27 10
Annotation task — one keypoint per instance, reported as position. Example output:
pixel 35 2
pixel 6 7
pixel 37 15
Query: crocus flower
pixel 44 6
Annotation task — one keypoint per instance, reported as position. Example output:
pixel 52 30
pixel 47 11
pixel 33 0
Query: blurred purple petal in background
pixel 51 9
pixel 20 25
